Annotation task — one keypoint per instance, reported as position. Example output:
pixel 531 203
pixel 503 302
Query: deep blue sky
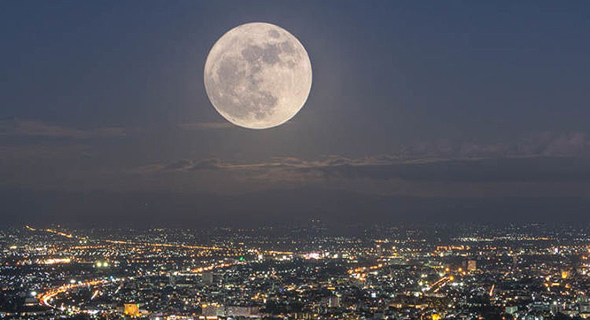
pixel 444 109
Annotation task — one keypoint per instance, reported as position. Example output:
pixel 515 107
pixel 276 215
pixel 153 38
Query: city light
pixel 321 276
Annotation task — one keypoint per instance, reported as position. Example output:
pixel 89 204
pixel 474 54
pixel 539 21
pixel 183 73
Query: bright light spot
pixel 312 255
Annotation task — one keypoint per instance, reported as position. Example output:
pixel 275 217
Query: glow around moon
pixel 258 75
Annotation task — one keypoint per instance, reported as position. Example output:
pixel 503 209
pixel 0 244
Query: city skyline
pixel 303 271
pixel 287 160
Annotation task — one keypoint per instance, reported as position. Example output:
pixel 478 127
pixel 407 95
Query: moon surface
pixel 258 75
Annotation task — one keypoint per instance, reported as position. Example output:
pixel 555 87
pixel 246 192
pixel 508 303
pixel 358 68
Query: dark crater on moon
pixel 238 86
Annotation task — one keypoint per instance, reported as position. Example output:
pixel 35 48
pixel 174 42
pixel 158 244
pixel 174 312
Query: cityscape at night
pixel 280 159
pixel 309 271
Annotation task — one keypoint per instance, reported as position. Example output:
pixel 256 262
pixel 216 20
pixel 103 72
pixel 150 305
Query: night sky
pixel 419 111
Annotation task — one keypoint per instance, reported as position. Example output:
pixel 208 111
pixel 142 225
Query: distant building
pixel 242 311
pixel 131 309
pixel 207 277
pixel 511 310
pixel 212 309
pixel 334 302
pixel 556 309
pixel 379 250
pixel 31 302
pixel 515 260
pixel 471 265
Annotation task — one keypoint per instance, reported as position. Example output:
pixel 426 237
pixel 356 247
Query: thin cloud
pixel 205 125
pixel 547 143
pixel 36 128
pixel 545 156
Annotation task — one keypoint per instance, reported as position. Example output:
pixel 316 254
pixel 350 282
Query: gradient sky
pixel 419 111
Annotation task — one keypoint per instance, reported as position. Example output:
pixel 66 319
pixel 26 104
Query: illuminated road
pixel 159 245
pixel 435 287
pixel 51 231
pixel 45 297
pixel 360 273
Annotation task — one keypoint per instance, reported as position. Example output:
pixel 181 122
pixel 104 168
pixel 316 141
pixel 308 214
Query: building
pixel 511 310
pixel 31 302
pixel 131 309
pixel 242 311
pixel 334 302
pixel 471 265
pixel 212 309
pixel 207 277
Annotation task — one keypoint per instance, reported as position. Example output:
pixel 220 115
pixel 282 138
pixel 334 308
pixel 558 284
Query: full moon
pixel 258 75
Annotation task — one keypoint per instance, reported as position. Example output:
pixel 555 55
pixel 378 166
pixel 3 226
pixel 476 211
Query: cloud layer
pixel 542 156
pixel 538 164
pixel 36 128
